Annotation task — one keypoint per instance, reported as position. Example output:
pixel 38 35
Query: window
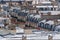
pixel 47 26
pixel 55 9
pixel 41 9
pixel 51 27
pixel 41 24
pixel 58 30
pixel 46 9
pixel 51 9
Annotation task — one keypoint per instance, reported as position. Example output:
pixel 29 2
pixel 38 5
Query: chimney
pixel 10 4
pixel 41 15
pixel 49 13
pixel 47 20
pixel 37 11
pixel 24 38
pixel 30 11
pixel 50 37
pixel 55 22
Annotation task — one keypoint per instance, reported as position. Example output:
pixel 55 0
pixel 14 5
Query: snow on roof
pixel 38 38
pixel 43 21
pixel 2 38
pixel 19 30
pixel 57 26
pixel 46 2
pixel 45 6
pixel 37 16
pixel 34 36
pixel 4 5
pixel 1 25
pixel 31 15
pixel 50 22
pixel 15 7
pixel 56 36
pixel 4 12
pixel 30 35
pixel 12 36
pixel 52 12
pixel 1 18
pixel 58 19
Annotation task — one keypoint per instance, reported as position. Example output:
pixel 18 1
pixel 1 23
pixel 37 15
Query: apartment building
pixel 53 25
pixel 50 15
pixel 46 5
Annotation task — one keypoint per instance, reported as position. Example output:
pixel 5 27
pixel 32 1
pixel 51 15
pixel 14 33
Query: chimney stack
pixel 49 13
pixel 24 38
pixel 55 22
pixel 41 15
pixel 47 20
pixel 50 37
pixel 37 11
pixel 10 4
